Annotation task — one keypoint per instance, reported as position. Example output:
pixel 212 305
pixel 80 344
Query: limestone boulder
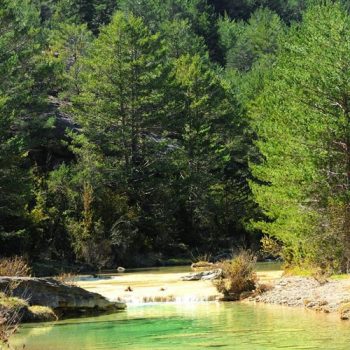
pixel 203 275
pixel 64 299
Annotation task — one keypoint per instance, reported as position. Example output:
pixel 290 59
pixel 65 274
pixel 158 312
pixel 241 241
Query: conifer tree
pixel 19 101
pixel 301 119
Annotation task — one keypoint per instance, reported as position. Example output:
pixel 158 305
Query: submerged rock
pixel 65 300
pixel 203 275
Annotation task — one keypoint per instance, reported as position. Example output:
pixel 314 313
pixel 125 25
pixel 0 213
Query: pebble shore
pixel 333 296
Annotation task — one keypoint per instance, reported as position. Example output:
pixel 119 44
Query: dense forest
pixel 133 131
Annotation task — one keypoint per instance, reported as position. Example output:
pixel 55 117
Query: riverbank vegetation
pixel 133 132
pixel 13 309
pixel 238 276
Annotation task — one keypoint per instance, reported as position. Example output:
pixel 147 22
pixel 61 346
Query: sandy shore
pixel 159 287
pixel 333 296
pixel 152 287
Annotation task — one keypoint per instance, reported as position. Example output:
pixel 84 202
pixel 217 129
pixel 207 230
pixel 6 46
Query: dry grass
pixel 261 288
pixel 15 266
pixel 8 327
pixel 11 307
pixel 238 275
pixel 67 278
pixel 10 311
pixel 203 265
pixel 196 257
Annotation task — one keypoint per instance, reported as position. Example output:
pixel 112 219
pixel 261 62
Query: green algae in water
pixel 192 326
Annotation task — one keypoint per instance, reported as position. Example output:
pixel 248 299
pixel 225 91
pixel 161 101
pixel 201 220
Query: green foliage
pixel 301 120
pixel 242 9
pixel 119 103
pixel 206 118
pixel 19 47
pixel 197 13
pixel 180 39
pixel 245 43
pixel 122 137
pixel 93 13
pixel 68 43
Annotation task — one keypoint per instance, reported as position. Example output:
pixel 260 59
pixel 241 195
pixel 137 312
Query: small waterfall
pixel 185 299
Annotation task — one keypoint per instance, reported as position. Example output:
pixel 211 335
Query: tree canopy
pixel 132 132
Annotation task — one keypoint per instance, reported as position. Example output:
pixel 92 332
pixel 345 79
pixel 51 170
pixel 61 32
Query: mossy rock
pixel 8 302
pixel 12 309
pixel 38 313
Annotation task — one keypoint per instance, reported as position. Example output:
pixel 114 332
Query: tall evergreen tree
pixel 301 119
pixel 119 106
pixel 20 101
pixel 246 43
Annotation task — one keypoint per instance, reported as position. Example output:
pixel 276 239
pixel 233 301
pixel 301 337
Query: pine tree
pixel 301 119
pixel 120 104
pixel 19 46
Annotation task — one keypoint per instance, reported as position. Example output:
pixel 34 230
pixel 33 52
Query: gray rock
pixel 63 299
pixel 203 275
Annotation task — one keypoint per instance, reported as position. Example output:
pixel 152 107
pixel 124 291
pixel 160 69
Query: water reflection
pixel 197 326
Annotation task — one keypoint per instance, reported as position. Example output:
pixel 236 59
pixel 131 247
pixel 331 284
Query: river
pixel 191 325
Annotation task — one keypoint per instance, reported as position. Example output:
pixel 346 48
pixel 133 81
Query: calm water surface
pixel 197 326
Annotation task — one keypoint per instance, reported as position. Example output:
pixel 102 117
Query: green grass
pixel 299 271
pixel 309 272
pixel 342 276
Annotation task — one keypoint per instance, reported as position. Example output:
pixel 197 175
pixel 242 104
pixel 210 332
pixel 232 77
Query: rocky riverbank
pixel 29 297
pixel 332 296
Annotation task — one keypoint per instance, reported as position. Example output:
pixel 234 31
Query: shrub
pixel 15 266
pixel 68 279
pixel 11 309
pixel 203 265
pixel 270 247
pixel 238 275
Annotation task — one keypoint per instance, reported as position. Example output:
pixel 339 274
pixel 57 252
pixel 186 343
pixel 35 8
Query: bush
pixel 11 309
pixel 270 247
pixel 68 279
pixel 15 266
pixel 238 276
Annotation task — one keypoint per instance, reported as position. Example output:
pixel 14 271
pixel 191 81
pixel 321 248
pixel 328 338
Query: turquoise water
pixel 192 326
